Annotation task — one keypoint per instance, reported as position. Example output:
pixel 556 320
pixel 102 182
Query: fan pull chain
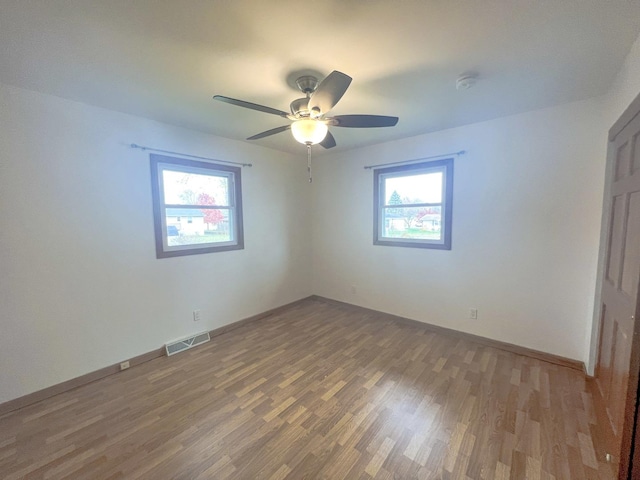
pixel 309 162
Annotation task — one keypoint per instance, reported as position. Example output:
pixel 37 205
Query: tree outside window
pixel 414 204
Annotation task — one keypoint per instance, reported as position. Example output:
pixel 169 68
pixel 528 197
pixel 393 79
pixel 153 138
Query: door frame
pixel 628 456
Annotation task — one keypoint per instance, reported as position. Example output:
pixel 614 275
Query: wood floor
pixel 319 391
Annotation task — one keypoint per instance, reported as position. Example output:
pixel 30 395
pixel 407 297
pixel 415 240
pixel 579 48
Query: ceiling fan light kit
pixel 310 124
pixel 309 131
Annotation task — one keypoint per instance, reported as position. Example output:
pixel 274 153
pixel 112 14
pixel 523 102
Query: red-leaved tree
pixel 211 215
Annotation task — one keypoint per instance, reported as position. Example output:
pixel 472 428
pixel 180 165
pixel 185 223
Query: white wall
pixel 625 88
pixel 80 287
pixel 526 222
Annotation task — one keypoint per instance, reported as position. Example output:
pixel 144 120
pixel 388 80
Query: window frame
pixel 160 163
pixel 446 167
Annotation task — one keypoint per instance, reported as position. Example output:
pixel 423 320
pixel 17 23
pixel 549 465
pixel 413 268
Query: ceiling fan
pixel 309 114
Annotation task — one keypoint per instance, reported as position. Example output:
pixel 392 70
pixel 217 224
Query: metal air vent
pixel 187 343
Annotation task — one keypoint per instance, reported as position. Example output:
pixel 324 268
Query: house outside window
pixel 197 207
pixel 413 205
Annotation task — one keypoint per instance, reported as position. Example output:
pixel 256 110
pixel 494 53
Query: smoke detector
pixel 466 81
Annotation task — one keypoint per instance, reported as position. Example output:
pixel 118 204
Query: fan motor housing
pixel 299 107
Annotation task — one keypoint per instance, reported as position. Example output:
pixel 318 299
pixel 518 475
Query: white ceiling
pixel 165 59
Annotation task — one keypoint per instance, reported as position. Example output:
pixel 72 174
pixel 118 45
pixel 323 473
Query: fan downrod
pixel 307 85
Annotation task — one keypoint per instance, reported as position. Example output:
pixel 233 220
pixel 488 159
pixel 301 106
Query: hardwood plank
pixel 90 377
pixel 317 390
pixel 520 350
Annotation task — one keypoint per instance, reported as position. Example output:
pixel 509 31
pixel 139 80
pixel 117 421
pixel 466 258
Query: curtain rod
pixel 143 148
pixel 461 152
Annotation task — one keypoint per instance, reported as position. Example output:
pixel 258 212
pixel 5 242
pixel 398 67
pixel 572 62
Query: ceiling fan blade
pixel 363 121
pixel 252 106
pixel 328 93
pixel 328 142
pixel 273 131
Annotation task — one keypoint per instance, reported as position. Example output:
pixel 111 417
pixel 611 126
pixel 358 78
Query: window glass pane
pixel 204 226
pixel 422 188
pixel 184 188
pixel 413 205
pixel 197 207
pixel 420 223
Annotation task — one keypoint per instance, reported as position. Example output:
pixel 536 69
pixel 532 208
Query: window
pixel 413 205
pixel 197 207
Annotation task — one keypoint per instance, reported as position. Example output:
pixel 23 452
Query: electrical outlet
pixel 473 313
pixel 196 315
pixel 354 289
pixel 124 365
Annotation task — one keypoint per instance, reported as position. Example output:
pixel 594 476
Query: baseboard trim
pixel 76 382
pixel 53 390
pixel 255 318
pixel 489 342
